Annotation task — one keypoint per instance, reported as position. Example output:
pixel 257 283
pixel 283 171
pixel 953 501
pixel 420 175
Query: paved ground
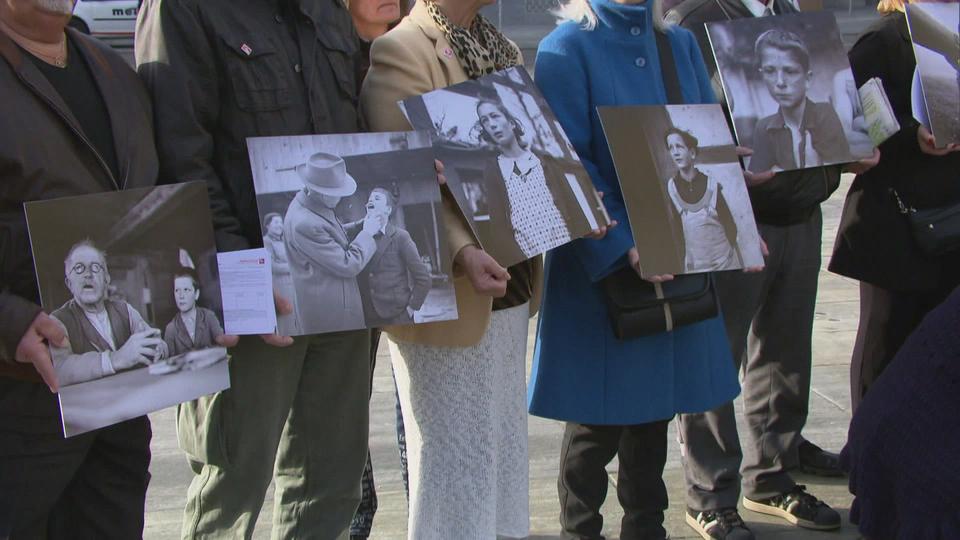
pixel 835 327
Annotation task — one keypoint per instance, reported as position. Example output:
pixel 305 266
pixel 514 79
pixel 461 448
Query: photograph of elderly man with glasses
pixel 104 336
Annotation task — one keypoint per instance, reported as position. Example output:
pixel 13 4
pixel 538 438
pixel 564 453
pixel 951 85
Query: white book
pixel 877 111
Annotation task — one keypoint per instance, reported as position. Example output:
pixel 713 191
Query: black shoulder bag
pixel 639 308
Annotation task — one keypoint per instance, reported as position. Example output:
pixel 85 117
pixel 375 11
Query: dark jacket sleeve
pixel 873 56
pixel 176 62
pixel 417 270
pixel 16 315
pixel 832 146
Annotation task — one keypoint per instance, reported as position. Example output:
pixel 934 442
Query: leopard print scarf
pixel 481 49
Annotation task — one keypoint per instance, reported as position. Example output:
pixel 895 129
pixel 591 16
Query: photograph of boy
pixel 193 327
pixel 396 277
pixel 709 231
pixel 790 89
pixel 802 133
pixel 684 188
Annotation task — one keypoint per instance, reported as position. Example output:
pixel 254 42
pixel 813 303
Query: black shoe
pixel 798 507
pixel 723 523
pixel 817 461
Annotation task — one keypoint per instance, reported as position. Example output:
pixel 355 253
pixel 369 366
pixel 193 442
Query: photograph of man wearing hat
pixel 324 260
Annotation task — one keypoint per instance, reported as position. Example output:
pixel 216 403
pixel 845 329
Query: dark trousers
pixel 887 318
pixel 362 522
pixel 93 485
pixel 642 453
pixel 769 322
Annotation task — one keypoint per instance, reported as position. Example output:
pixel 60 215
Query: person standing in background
pixel 769 323
pixel 75 120
pixel 372 19
pixel 221 71
pixel 609 52
pixel 287 325
pixel 899 284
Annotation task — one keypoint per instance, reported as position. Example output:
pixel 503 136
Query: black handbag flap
pixel 625 289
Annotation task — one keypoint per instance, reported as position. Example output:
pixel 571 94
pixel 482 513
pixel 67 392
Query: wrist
pixel 464 253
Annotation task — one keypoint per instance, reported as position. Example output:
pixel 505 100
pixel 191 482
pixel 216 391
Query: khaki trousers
pixel 296 415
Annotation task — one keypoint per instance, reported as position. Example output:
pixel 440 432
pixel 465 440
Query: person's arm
pixel 73 368
pixel 396 74
pixel 176 61
pixel 872 56
pixel 16 316
pixel 316 244
pixel 419 274
pixel 562 78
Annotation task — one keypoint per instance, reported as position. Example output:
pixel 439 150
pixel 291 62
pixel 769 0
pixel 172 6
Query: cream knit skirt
pixel 465 415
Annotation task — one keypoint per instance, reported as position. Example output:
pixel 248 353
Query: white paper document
pixel 246 283
pixel 877 111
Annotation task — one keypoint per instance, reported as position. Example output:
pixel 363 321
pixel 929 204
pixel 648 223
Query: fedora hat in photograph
pixel 327 174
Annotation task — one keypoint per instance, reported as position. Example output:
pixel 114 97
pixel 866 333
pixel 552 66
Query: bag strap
pixel 668 68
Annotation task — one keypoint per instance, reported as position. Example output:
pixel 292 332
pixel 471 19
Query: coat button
pixel 278 18
pixel 635 31
pixel 640 62
pixel 297 68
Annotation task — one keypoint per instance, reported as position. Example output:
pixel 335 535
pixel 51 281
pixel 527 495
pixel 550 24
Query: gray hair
pixel 85 243
pixel 581 12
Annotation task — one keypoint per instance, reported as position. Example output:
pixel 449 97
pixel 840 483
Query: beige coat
pixel 412 59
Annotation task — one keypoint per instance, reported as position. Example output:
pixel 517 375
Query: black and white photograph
pixel 791 92
pixel 509 165
pixel 132 277
pixel 354 230
pixel 683 187
pixel 934 31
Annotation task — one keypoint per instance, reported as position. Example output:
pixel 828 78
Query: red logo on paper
pixel 246 49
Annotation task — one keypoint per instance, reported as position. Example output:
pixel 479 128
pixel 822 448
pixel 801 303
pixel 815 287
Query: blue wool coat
pixel 581 372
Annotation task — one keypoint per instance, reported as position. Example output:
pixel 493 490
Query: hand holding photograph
pixel 353 227
pixel 683 187
pixel 509 165
pixel 934 31
pixel 791 91
pixel 136 262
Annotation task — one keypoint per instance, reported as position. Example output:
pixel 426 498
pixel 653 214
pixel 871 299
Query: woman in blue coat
pixel 617 396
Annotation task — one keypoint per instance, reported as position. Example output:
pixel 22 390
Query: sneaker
pixel 723 523
pixel 798 507
pixel 817 461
